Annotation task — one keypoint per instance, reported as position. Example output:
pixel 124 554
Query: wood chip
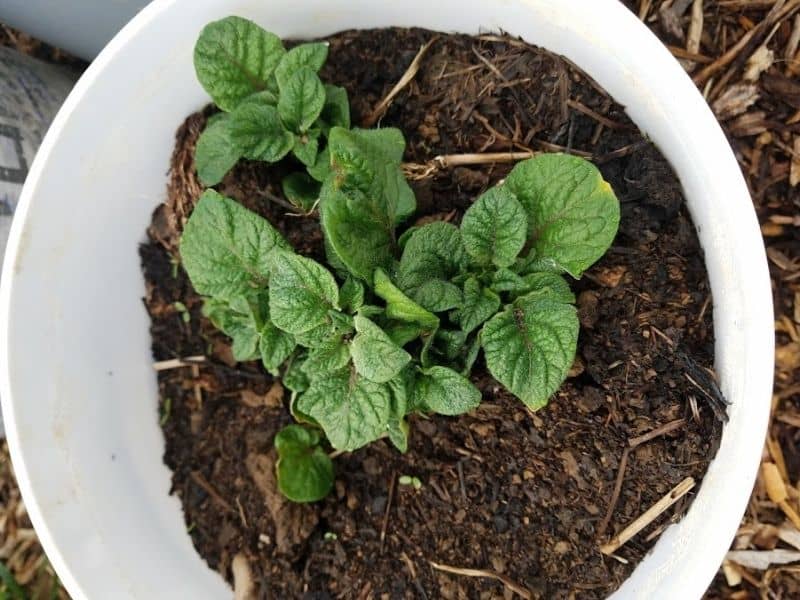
pixel 735 100
pixel 792 44
pixel 794 170
pixel 695 28
pixel 762 560
pixel 789 534
pixel 244 588
pixel 760 61
pixel 732 575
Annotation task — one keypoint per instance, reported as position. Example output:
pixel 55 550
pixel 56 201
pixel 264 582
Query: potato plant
pixel 395 320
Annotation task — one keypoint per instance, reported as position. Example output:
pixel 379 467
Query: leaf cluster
pixel 396 320
pixel 272 101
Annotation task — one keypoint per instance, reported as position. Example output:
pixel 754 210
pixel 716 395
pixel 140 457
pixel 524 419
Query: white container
pixel 78 389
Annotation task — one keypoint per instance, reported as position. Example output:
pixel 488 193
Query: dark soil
pixel 519 494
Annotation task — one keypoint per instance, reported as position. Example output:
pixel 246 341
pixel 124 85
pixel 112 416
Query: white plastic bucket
pixel 78 389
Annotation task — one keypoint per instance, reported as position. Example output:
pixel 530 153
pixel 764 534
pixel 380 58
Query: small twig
pixel 488 63
pixel 651 514
pixel 385 523
pixel 496 134
pixel 664 429
pixel 679 52
pixel 581 108
pixel 176 363
pixel 278 200
pixel 699 387
pixel 198 478
pixel 413 572
pixel 618 153
pixel 241 513
pixel 410 73
pixel 511 585
pixel 448 161
pixel 460 469
pixel 623 463
pixel 695 28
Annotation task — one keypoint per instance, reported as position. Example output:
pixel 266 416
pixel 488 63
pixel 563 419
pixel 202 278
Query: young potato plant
pixel 273 104
pixel 394 323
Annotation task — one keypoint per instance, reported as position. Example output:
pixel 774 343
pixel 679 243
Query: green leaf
pixel 310 55
pixel 548 285
pixel 350 216
pixel 224 247
pixel 352 410
pixel 425 355
pixel 533 264
pixel 305 471
pixel 236 320
pixel 336 326
pixel 479 305
pixel 306 148
pixel 336 112
pixel 405 236
pixel 215 154
pixel 401 307
pixel 403 332
pixel 434 251
pixel 398 434
pixel 397 426
pixel 451 343
pixel 300 190
pixel 274 346
pixel 543 283
pixel 301 100
pixel 262 98
pixel 375 355
pixel 322 166
pixel 443 391
pixel 351 296
pixel 472 355
pixel 246 322
pixel 371 310
pixel 233 58
pixel 257 132
pixel 295 378
pixel 506 280
pixel 573 214
pixel 326 359
pixel 368 160
pixel 530 347
pixel 494 228
pixel 302 292
pixel 437 295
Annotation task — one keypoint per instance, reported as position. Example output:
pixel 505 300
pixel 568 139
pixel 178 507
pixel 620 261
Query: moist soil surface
pixel 520 495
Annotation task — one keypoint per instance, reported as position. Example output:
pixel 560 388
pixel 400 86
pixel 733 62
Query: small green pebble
pixel 404 480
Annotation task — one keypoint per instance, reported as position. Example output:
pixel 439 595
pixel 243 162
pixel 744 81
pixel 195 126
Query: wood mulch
pixel 743 54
